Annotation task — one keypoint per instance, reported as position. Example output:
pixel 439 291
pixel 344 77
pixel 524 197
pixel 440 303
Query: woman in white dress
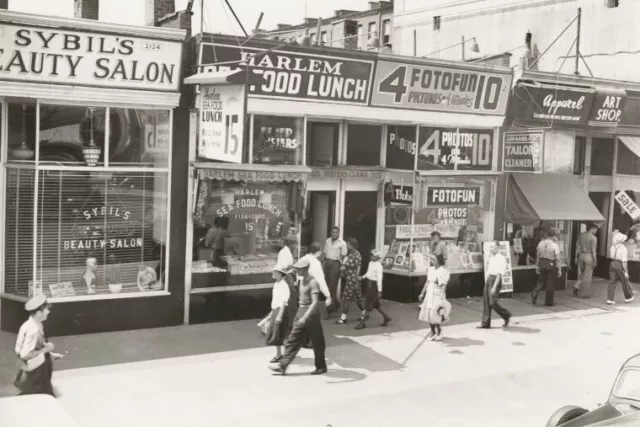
pixel 433 293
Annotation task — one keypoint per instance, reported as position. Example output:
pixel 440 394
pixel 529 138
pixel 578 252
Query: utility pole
pixel 577 72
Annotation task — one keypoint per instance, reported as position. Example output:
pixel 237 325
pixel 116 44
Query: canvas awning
pixel 534 197
pixel 225 77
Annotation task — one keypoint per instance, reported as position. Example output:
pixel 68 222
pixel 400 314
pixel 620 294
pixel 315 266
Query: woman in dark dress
pixel 351 287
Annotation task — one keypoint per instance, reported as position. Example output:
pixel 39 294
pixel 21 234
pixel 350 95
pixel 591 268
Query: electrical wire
pixel 592 55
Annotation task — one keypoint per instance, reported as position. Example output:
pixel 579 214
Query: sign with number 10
pixel 221 123
pixel 455 149
pixel 431 87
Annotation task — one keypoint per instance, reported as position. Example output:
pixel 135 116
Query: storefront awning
pixel 252 173
pixel 632 143
pixel 532 197
pixel 225 77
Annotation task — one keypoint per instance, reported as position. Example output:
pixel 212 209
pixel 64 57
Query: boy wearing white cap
pixel 373 286
pixel 35 366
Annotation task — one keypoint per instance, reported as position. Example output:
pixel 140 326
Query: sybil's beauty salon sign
pixel 45 55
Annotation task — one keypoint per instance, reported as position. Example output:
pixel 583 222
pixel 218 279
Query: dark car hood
pixel 608 415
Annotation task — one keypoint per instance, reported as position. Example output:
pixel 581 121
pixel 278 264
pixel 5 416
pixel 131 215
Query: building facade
pixel 501 25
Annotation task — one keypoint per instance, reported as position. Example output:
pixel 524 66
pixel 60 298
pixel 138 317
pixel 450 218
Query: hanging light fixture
pixel 91 151
pixel 23 152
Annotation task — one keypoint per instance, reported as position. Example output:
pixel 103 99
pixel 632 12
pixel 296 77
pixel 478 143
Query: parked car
pixel 621 410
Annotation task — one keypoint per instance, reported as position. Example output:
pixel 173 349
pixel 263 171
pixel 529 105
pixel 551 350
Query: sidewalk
pixel 93 350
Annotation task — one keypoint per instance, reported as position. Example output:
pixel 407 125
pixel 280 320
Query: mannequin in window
pixel 89 276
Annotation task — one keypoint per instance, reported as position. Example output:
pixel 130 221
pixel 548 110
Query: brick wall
pixel 156 9
pixel 86 9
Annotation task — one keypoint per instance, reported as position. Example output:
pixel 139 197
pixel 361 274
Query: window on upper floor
pixel 612 3
pixel 436 23
pixel 386 32
pixel 362 41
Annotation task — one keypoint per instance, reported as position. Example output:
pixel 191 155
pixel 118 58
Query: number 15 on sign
pixel 628 205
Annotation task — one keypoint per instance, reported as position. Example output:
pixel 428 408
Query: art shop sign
pixel 455 149
pixel 296 75
pixel 95 224
pixel 53 55
pixel 552 104
pixel 523 151
pixel 437 88
pixel 607 108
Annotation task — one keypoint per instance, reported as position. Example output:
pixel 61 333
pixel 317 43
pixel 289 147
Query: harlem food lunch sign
pixel 296 75
pixel 54 55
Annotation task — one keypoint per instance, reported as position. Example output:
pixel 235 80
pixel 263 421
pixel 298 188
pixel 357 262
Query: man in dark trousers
pixel 496 269
pixel 587 260
pixel 306 323
pixel 334 250
pixel 547 267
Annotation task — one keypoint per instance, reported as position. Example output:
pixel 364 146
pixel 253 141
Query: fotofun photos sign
pixel 44 55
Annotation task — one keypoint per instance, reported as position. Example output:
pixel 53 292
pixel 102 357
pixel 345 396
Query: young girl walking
pixel 433 297
pixel 279 320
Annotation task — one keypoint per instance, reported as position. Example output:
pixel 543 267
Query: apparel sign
pixel 221 123
pixel 607 109
pixel 436 88
pixel 523 151
pixel 89 59
pixel 544 104
pixel 455 149
pixel 629 206
pixel 453 196
pixel 297 75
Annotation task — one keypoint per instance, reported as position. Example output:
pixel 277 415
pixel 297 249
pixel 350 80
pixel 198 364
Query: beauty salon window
pixel 239 228
pixel 278 140
pixel 363 145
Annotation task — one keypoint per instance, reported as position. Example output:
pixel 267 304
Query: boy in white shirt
pixel 373 286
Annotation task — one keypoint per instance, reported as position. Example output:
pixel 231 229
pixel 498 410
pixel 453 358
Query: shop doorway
pixel 319 218
pixel 360 215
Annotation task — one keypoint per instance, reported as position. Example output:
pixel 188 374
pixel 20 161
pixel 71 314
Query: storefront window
pixel 602 156
pixel 363 145
pixel 579 155
pixel 322 144
pixel 96 232
pixel 278 140
pixel 21 132
pixel 559 151
pixel 401 147
pixel 139 137
pixel 239 228
pixel 628 161
pixel 524 240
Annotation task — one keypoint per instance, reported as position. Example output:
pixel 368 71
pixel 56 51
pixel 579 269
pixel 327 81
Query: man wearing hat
pixel 307 323
pixel 619 269
pixel 547 267
pixel 587 260
pixel 35 366
pixel 438 246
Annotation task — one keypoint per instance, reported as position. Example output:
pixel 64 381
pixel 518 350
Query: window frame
pixel 39 167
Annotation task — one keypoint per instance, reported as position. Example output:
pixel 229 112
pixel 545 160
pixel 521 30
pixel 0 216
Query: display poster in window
pixel 461 216
pixel 438 88
pixel 157 132
pixel 455 149
pixel 401 147
pixel 453 196
pixel 505 251
pixel 627 204
pixel 552 104
pixel 87 58
pixel 608 107
pixel 221 123
pixel 277 140
pixel 294 75
pixel 522 152
pixel 399 194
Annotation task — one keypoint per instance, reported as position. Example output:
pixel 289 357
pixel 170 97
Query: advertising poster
pixel 455 149
pixel 221 123
pixel 505 250
pixel 297 75
pixel 552 104
pixel 523 152
pixel 438 88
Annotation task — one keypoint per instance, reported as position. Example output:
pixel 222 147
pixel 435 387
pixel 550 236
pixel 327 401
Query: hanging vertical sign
pixel 629 206
pixel 221 121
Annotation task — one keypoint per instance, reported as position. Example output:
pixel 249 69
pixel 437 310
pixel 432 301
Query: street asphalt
pixel 546 359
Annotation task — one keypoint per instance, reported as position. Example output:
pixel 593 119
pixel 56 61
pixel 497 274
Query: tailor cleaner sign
pixel 44 55
pixel 296 75
pixel 435 88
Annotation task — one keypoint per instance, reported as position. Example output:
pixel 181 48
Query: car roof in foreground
pixel 632 362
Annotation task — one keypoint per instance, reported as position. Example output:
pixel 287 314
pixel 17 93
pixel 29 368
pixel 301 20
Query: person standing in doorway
pixel 307 323
pixel 438 246
pixel 34 351
pixel 547 267
pixel 618 270
pixel 334 251
pixel 586 259
pixel 373 287
pixel 352 290
pixel 496 270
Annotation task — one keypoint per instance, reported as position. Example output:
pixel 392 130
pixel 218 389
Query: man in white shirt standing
pixel 373 286
pixel 334 250
pixel 496 269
